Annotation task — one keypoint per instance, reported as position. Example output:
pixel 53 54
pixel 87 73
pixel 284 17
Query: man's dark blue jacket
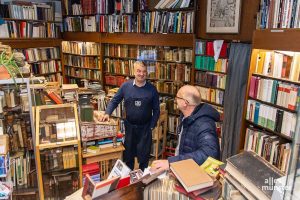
pixel 199 138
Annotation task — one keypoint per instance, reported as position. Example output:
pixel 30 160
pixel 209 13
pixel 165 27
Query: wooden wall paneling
pixel 153 39
pixel 277 39
pixel 247 21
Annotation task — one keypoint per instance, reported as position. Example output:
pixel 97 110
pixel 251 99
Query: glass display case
pixel 58 150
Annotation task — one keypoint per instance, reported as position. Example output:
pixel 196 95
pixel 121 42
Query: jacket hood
pixel 205 111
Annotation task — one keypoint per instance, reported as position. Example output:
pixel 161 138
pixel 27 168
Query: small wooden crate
pixel 93 131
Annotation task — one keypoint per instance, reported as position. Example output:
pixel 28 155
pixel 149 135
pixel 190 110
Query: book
pixel 92 149
pixel 190 175
pixel 92 190
pixel 120 169
pixel 255 178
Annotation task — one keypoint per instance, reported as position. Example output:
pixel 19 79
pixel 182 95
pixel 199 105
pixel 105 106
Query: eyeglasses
pixel 177 97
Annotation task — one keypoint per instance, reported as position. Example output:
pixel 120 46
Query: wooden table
pixel 131 192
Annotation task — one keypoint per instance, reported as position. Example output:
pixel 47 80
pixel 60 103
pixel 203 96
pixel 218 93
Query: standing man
pixel 141 102
pixel 197 131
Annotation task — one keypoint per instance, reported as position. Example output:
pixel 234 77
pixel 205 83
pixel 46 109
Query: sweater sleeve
pixel 115 101
pixel 208 146
pixel 155 109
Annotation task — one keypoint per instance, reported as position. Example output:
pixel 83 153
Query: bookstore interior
pixel 106 68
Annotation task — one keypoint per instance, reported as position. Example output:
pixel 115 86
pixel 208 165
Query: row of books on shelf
pixel 46 67
pixel 121 50
pixel 57 131
pixel 22 29
pixel 54 78
pixel 22 170
pixel 84 73
pixel 269 147
pixel 169 71
pixel 103 144
pixel 27 10
pixel 142 52
pixel 173 4
pixel 82 61
pixel 206 48
pixel 173 123
pixel 20 135
pixel 167 22
pixel 59 158
pixel 278 64
pixel 91 7
pixel 276 92
pixel 115 80
pixel 117 66
pixel 210 79
pixel 211 95
pixel 274 119
pixel 278 14
pixel 41 54
pixel 169 88
pixel 81 48
pixel 208 63
pixel 156 70
pixel 170 105
pixel 101 23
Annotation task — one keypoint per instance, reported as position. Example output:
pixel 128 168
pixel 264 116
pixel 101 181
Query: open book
pixel 92 190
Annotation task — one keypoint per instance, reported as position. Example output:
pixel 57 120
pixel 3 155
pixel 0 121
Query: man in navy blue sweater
pixel 197 131
pixel 141 102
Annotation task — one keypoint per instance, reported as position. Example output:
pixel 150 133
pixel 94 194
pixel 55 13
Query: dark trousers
pixel 138 141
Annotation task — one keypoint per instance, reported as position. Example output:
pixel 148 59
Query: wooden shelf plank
pixel 104 151
pixel 22 43
pixel 177 40
pixel 277 39
pixel 57 144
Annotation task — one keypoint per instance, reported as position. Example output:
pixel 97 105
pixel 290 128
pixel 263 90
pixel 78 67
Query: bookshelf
pixel 210 76
pixel 101 16
pixel 58 150
pixel 17 125
pixel 271 112
pixel 273 87
pixel 81 61
pixel 29 20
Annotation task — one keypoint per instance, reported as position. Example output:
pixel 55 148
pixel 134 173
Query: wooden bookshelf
pixel 270 40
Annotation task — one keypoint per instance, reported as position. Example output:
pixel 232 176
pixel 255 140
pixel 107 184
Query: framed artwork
pixel 223 16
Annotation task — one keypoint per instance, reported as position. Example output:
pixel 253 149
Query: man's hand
pixel 159 165
pixel 103 118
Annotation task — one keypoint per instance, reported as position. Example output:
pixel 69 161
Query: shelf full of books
pixel 167 64
pixel 101 16
pixel 17 154
pixel 211 74
pixel 273 103
pixel 278 14
pixel 81 61
pixel 44 61
pixel 29 20
pixel 58 150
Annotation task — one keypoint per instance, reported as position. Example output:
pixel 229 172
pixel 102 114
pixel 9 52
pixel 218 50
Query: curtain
pixel 234 97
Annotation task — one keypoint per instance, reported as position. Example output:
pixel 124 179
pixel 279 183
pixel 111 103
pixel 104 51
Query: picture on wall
pixel 223 16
